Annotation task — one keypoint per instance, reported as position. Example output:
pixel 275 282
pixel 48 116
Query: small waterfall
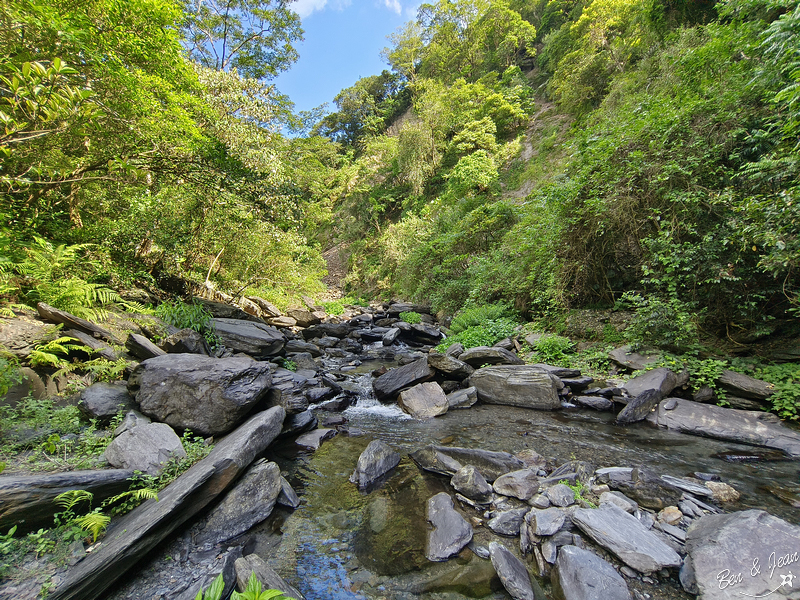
pixel 368 404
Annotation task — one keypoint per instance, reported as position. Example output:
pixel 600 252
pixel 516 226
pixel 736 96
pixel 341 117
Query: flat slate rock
pixel 424 400
pixel 512 572
pixel 465 398
pixel 523 386
pixel 744 554
pixel 451 531
pixel 390 384
pixel 446 460
pixel 453 367
pixel 640 407
pixel 313 439
pixel 624 536
pixel 469 482
pixel 256 339
pixel 484 355
pixel 661 379
pixel 522 484
pixel 743 426
pixel 266 575
pixel 744 386
pixel 508 522
pixel 582 575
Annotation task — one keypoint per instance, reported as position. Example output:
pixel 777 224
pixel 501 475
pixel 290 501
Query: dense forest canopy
pixel 548 154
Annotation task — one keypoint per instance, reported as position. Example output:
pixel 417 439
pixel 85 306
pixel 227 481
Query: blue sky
pixel 343 41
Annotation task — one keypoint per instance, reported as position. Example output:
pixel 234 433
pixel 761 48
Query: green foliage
pixel 578 488
pixel 486 334
pixel 411 317
pixel 478 315
pixel 9 372
pixel 290 365
pixel 785 379
pixel 669 323
pixel 554 350
pixel 193 316
pixel 252 591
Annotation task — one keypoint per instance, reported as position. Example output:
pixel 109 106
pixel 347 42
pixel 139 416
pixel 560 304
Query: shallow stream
pixel 342 544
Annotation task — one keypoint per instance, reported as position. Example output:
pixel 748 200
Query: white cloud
pixel 306 7
pixel 393 5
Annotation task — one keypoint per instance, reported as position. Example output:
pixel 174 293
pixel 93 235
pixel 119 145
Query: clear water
pixel 342 544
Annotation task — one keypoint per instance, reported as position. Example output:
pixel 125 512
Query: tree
pixel 252 37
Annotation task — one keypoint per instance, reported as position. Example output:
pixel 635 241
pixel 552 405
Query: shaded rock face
pixel 450 366
pixel 390 384
pixel 640 407
pixel 207 395
pixel 256 339
pixel 104 400
pixel 186 341
pixel 424 401
pixel 523 386
pixel 258 490
pixel 624 536
pixel 661 379
pixel 465 398
pixel 748 427
pixel 146 447
pixel 373 463
pixel 451 532
pixel 484 355
pixel 469 482
pixel 750 552
pixel 745 386
pixel 582 575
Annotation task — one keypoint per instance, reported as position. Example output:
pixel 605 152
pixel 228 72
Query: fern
pixel 47 355
pixel 68 500
pixel 94 523
pixel 138 495
pixel 251 592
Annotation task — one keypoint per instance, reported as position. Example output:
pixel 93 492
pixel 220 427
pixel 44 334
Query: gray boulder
pixel 256 339
pixel 390 384
pixel 446 460
pixel 451 532
pixel 448 365
pixel 424 401
pixel 373 463
pixel 743 426
pixel 147 448
pixel 186 341
pixel 635 361
pixel 103 400
pixel 390 337
pixel 582 575
pixel 469 482
pixel 560 495
pixel 463 398
pixel 624 536
pixel 313 439
pixel 744 386
pixel 301 346
pixel 522 484
pixel 483 355
pixel 141 347
pixel 751 552
pixel 258 490
pixel 337 330
pixel 661 379
pixel 304 318
pixel 595 402
pixel 523 386
pixel 640 407
pixel 544 522
pixel 508 522
pixel 207 395
pixel 512 572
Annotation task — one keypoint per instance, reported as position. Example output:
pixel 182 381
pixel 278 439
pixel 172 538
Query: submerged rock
pixel 446 460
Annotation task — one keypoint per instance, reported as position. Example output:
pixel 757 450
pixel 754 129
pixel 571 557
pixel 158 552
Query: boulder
pixel 136 534
pixel 463 398
pixel 21 335
pixel 560 372
pixel 446 460
pixel 207 395
pixel 523 386
pixel 512 572
pixel 624 536
pixel 469 482
pixel 303 318
pixel 661 379
pixel 390 336
pixel 424 401
pixel 582 575
pixel 648 489
pixel 451 532
pixel 293 346
pixel 266 576
pixel 751 552
pixel 390 384
pixel 258 490
pixel 483 355
pixel 186 341
pixel 743 426
pixel 256 339
pixel 745 386
pixel 27 500
pixel 373 463
pixel 577 384
pixel 141 347
pixel 288 497
pixel 400 307
pixel 522 484
pixel 103 400
pixel 560 495
pixel 508 522
pixel 146 448
pixel 640 407
pixel 313 439
pixel 545 522
pixel 283 321
pixel 635 361
pixel 594 402
pixel 337 330
pixel 449 366
pixel 222 310
pixel 267 308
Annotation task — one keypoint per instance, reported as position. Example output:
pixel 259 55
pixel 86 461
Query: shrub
pixel 553 349
pixel 477 315
pixel 411 317
pixel 192 316
pixel 486 334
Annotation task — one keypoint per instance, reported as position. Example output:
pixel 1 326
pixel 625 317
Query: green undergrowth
pixel 486 334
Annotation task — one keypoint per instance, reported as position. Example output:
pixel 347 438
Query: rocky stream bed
pixel 381 469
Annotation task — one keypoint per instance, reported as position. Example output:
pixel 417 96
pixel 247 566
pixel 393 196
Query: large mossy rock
pixel 207 395
pixel 516 385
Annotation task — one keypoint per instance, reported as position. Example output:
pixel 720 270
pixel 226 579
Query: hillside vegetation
pixel 547 154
